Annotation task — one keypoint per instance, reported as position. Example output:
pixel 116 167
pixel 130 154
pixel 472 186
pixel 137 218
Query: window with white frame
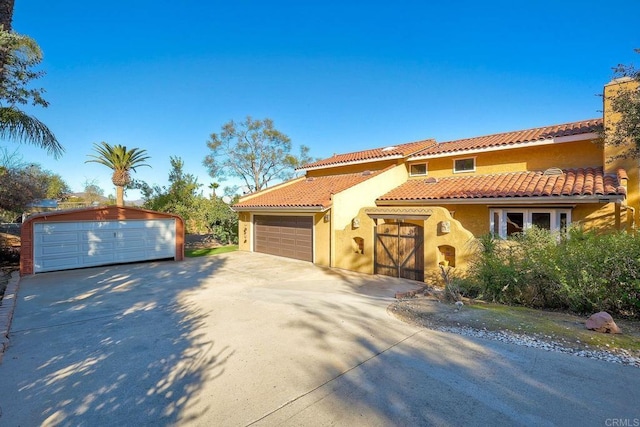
pixel 508 221
pixel 418 169
pixel 464 165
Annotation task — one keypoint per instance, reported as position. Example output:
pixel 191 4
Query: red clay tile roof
pixel 398 151
pixel 517 137
pixel 313 193
pixel 571 182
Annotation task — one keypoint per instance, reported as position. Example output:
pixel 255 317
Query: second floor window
pixel 418 169
pixel 464 165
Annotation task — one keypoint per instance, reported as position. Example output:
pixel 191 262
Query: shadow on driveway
pixel 250 339
pixel 120 345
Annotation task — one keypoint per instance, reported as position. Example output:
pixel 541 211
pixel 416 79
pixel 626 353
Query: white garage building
pixel 79 238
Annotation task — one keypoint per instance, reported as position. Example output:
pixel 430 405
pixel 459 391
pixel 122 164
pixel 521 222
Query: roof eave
pixel 295 209
pixel 353 162
pixel 570 200
pixel 511 146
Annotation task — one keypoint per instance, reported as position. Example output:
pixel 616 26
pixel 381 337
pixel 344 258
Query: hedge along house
pixel 404 210
pixel 92 237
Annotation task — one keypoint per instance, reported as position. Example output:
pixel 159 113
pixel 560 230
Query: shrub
pixel 8 254
pixel 580 271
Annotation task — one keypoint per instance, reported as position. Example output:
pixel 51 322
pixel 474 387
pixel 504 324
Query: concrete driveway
pixel 249 339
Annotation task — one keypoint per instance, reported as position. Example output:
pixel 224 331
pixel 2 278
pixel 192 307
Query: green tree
pixel 92 191
pixel 21 186
pixel 254 151
pixel 202 215
pixel 179 197
pixel 626 103
pixel 122 161
pixel 57 188
pixel 18 55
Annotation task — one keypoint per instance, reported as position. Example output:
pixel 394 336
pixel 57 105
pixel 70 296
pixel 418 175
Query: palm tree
pixel 19 126
pixel 18 55
pixel 121 161
pixel 213 186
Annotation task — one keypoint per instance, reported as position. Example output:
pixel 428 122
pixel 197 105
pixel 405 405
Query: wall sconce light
pixel 327 217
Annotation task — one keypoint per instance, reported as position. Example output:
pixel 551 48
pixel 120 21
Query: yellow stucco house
pixel 404 209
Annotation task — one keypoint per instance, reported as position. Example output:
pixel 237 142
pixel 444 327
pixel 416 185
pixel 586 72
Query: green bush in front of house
pixel 578 271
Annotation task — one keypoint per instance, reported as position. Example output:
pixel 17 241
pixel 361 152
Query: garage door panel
pixel 96 235
pixel 287 236
pixel 96 247
pixel 98 259
pixel 59 238
pixel 51 250
pixel 61 263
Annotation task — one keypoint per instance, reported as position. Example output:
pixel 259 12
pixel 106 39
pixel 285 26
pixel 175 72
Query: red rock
pixel 602 322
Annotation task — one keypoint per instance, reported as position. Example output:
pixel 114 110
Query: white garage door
pixel 67 245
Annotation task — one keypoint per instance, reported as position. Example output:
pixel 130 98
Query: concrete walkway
pixel 249 339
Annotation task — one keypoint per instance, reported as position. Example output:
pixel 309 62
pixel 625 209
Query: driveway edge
pixel 7 306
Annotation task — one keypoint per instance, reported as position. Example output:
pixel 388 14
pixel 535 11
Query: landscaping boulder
pixel 602 322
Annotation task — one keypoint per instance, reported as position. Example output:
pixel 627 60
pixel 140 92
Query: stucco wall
pixel 474 217
pixel 596 217
pixel 322 238
pixel 592 216
pixel 347 203
pixel 347 252
pixel 348 255
pixel 563 155
pixel 356 168
pixel 458 237
pixel 245 231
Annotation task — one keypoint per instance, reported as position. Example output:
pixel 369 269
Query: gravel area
pixel 619 356
pixel 443 317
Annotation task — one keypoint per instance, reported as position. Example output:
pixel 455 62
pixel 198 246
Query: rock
pixel 602 322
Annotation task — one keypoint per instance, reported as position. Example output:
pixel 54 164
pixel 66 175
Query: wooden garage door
pixel 287 236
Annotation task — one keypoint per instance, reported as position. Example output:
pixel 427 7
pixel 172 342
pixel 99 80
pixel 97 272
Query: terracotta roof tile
pixel 398 151
pixel 571 182
pixel 517 137
pixel 305 192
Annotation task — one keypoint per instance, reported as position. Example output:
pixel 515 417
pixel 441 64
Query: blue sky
pixel 337 76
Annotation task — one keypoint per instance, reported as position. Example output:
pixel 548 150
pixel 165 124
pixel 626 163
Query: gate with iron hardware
pixel 400 251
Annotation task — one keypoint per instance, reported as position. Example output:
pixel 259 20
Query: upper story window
pixel 418 169
pixel 464 165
